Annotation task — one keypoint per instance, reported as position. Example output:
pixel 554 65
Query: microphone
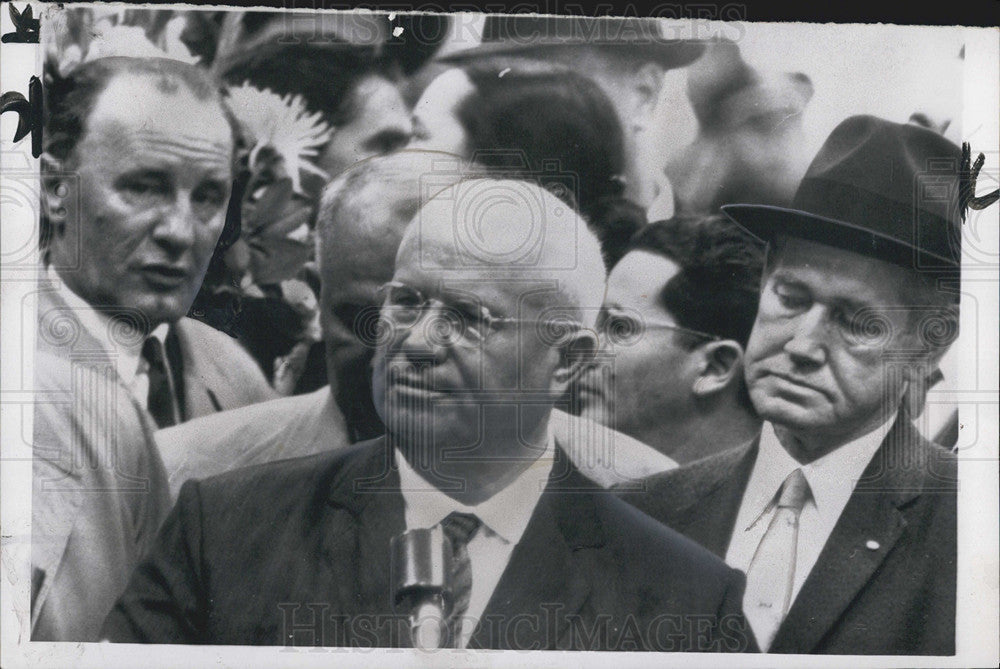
pixel 421 570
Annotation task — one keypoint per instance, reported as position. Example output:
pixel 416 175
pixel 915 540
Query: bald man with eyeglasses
pixel 488 317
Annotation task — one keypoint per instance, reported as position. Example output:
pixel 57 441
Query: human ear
pixel 721 363
pixel 647 82
pixel 575 354
pixel 917 387
pixel 55 192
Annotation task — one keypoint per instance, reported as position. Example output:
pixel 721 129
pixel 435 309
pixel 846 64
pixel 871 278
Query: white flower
pixel 283 124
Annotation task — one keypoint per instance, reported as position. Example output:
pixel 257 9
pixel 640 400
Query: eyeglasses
pixel 625 328
pixel 460 321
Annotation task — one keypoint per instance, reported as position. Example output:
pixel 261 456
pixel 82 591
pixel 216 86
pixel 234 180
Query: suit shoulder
pixel 271 482
pixel 221 350
pixel 649 542
pixel 247 424
pixel 661 495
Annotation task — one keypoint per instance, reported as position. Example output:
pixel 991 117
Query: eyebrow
pixel 385 140
pixel 849 302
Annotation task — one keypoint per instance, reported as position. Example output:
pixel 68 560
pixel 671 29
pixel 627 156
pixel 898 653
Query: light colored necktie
pixel 771 576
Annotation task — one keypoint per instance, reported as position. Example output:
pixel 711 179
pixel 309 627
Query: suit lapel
pixel 871 519
pixel 542 577
pixel 367 490
pixel 714 491
pixel 205 390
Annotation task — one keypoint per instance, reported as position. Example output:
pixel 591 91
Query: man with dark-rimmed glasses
pixel 675 323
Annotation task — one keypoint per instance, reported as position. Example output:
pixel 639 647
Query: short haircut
pixel 385 193
pixel 717 288
pixel 564 129
pixel 70 99
pixel 557 247
pixel 554 118
pixel 326 80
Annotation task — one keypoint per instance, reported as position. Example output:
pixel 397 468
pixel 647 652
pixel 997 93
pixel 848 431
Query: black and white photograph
pixel 448 338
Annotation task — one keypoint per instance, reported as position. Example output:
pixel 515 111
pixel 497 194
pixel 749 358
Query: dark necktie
pixel 459 528
pixel 161 400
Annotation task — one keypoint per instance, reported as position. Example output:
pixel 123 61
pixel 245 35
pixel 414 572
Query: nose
pixel 175 226
pixel 807 345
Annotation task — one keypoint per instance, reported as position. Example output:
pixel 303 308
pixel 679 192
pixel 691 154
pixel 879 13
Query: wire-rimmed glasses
pixel 460 320
pixel 626 327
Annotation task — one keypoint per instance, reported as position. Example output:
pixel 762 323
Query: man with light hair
pixel 132 212
pixel 484 324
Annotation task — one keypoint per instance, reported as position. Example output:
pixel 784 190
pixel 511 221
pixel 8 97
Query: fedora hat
pixel 253 36
pixel 882 189
pixel 527 35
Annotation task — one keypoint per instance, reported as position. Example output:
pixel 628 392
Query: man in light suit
pixel 841 514
pixel 476 343
pixel 133 209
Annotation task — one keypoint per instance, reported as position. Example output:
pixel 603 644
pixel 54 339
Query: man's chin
pixel 791 415
pixel 149 312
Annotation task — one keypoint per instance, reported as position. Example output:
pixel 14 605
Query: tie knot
pixel 460 527
pixel 794 491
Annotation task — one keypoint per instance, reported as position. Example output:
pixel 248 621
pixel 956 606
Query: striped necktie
pixel 459 528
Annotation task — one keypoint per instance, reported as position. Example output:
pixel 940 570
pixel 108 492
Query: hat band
pixel 926 231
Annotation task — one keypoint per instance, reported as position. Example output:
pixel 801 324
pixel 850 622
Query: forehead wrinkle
pixel 167 146
pixel 145 147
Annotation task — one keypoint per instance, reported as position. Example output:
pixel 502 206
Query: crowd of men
pixel 701 441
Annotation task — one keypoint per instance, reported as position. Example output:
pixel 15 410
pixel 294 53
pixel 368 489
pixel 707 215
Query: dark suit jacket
pixel 297 553
pixel 885 580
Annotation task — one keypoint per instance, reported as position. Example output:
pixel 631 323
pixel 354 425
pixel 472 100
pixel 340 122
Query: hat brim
pixel 768 222
pixel 668 54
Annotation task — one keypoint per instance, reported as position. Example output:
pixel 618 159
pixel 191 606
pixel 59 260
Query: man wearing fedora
pixel 840 513
pixel 627 57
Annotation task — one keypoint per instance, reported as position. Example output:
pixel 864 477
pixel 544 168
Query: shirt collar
pixel 506 513
pixel 831 478
pixel 127 357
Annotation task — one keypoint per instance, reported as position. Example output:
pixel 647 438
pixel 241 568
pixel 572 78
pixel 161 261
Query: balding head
pixel 510 232
pixel 487 321
pixel 360 221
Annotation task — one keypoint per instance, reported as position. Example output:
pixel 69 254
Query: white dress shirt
pixel 831 481
pixel 125 356
pixel 504 517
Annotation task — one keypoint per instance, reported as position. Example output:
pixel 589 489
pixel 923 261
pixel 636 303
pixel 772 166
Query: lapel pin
pixel 872 545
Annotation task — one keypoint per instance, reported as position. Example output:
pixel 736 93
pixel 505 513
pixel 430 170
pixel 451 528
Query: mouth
pixel 163 275
pixel 413 384
pixel 797 382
